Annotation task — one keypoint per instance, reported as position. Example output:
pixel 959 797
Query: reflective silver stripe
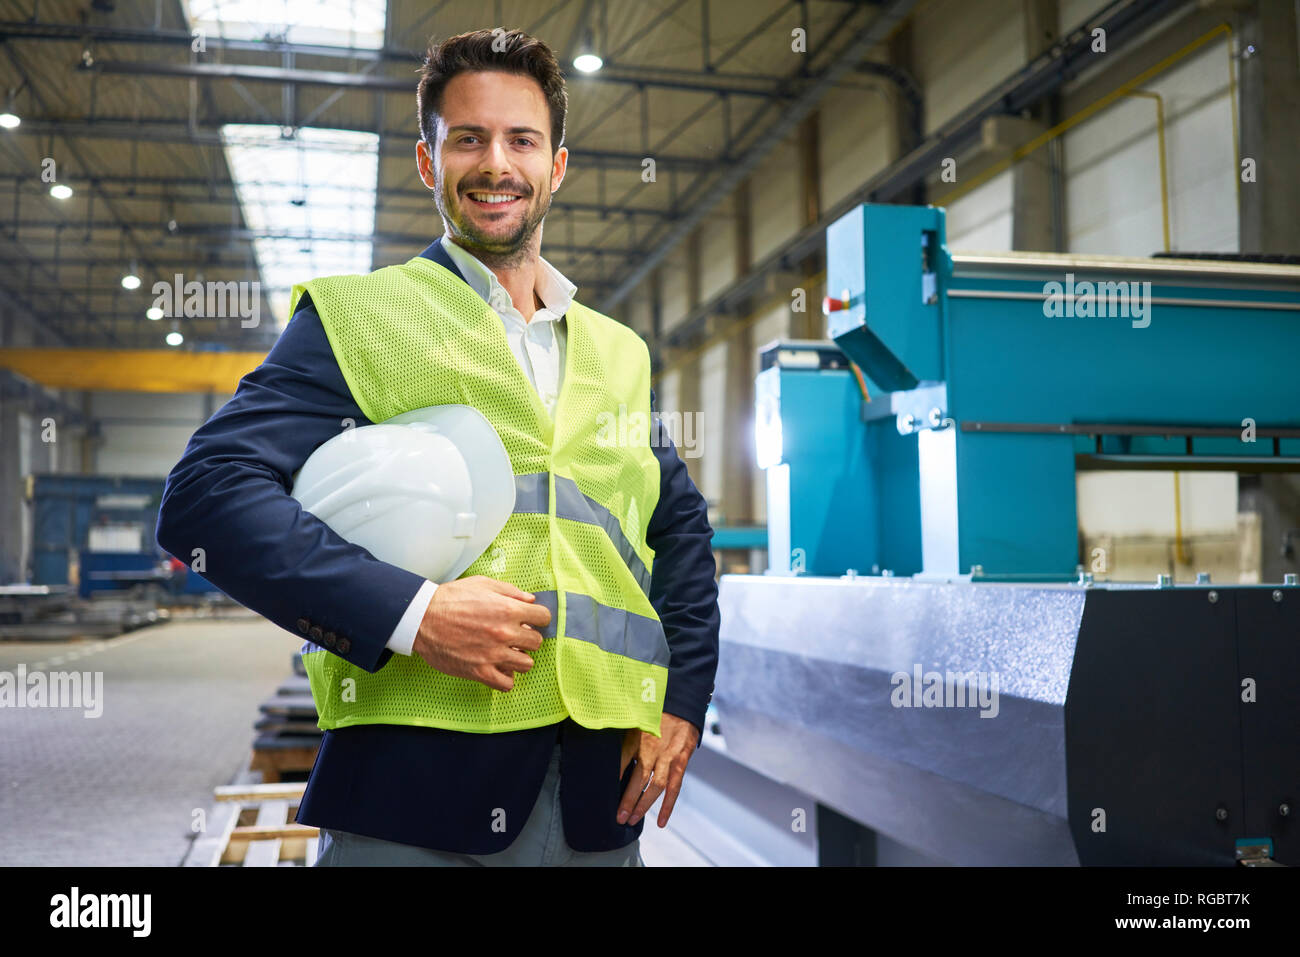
pixel 614 630
pixel 531 493
pixel 573 504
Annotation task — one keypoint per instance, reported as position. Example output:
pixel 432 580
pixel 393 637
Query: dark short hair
pixel 515 52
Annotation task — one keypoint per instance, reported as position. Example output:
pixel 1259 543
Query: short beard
pixel 507 253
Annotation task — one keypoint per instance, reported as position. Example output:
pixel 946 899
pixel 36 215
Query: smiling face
pixel 491 168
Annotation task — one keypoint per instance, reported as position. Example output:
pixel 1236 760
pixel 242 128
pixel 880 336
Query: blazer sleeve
pixel 229 495
pixel 683 585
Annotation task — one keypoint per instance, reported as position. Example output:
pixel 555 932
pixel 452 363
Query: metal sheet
pixel 809 678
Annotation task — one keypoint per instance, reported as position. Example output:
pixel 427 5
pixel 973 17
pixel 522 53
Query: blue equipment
pixel 924 655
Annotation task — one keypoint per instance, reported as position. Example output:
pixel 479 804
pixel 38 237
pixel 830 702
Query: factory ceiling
pixel 200 141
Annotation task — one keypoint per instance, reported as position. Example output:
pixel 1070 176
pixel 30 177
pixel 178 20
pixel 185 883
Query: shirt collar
pixel 555 290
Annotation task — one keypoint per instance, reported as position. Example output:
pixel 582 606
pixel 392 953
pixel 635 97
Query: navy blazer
pixel 448 790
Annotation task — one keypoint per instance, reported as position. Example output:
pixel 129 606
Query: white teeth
pixel 493 197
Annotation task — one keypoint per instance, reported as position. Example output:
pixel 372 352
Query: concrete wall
pixel 1112 166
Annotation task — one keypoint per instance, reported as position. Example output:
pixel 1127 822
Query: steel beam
pixel 791 116
pixel 168 183
pixel 391 142
pixel 621 74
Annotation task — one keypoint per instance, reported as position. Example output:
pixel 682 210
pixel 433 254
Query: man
pixel 424 768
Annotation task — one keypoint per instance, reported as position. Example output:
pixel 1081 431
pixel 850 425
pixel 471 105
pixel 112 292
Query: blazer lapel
pixel 439 255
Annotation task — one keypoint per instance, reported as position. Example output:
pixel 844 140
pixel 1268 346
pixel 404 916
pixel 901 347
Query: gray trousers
pixel 540 844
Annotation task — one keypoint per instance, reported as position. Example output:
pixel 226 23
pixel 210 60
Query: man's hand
pixel 479 628
pixel 660 762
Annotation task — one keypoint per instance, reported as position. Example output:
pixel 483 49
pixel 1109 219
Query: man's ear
pixel 559 166
pixel 424 163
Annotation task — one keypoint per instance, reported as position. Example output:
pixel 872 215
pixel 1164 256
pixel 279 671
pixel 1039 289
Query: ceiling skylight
pixel 350 23
pixel 311 197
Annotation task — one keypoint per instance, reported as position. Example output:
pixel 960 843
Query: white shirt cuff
pixel 402 640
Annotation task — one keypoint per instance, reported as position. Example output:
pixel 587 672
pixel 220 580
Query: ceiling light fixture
pixel 9 119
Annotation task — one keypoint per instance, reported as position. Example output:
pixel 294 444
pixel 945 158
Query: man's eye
pixel 524 140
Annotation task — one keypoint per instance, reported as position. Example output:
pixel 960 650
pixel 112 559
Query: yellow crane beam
pixel 132 370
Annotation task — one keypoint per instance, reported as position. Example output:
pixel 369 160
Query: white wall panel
pixel 144 434
pixel 676 289
pixel 857 138
pixel 718 249
pixel 962 48
pixel 1112 167
pixel 774 199
pixel 981 219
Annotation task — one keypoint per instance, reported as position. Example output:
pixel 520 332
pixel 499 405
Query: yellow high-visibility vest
pixel 587 482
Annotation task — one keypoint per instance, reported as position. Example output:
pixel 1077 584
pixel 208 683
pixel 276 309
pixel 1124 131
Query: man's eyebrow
pixel 471 128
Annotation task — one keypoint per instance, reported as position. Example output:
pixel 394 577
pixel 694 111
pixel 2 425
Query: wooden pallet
pixel 252 826
pixel 278 754
pixel 289 737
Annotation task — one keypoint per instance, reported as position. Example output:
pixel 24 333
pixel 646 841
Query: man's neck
pixel 519 281
pixel 521 284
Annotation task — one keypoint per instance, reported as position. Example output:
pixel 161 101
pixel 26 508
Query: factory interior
pixel 975 322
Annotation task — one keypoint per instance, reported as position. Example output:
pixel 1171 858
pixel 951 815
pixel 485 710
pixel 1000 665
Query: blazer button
pixel 303 625
pixel 315 633
pixel 330 638
pixel 343 647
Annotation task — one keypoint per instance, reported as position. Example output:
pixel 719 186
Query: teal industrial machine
pixel 925 656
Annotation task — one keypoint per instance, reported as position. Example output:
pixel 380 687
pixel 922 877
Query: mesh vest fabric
pixel 416 335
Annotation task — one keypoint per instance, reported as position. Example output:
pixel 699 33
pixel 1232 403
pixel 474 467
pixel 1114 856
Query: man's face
pixel 491 169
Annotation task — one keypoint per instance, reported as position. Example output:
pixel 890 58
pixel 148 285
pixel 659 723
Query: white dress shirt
pixel 538 347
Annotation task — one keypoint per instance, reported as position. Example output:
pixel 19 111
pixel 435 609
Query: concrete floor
pixel 179 701
pixel 178 705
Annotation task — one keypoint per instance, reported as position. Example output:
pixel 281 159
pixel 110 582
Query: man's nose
pixel 494 160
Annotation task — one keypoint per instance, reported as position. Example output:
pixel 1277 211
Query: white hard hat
pixel 427 490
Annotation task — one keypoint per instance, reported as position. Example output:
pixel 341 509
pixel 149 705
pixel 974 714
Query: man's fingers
pixel 649 796
pixel 675 777
pixel 539 616
pixel 501 674
pixel 495 678
pixel 516 662
pixel 507 589
pixel 630 740
pixel 640 777
pixel 527 639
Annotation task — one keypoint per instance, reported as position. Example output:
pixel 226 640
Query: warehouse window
pixel 309 200
pixel 350 23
